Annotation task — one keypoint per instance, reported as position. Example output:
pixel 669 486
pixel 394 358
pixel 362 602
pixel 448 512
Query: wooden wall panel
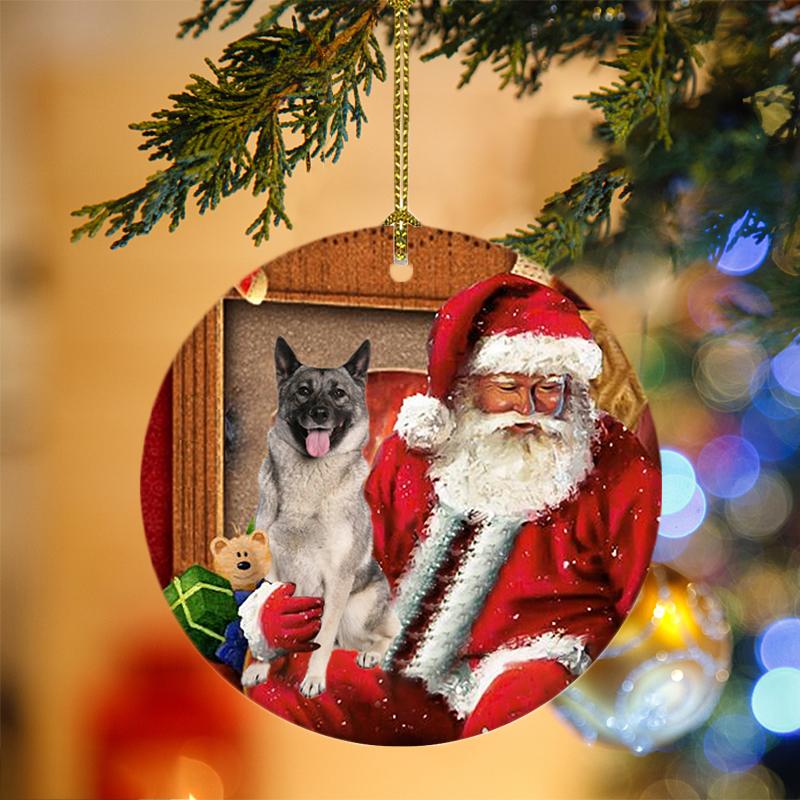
pixel 352 269
pixel 197 419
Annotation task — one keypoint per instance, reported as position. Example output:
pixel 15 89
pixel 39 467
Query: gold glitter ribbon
pixel 401 218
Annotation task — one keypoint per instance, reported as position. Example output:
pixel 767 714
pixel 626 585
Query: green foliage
pixel 687 164
pixel 518 39
pixel 657 67
pixel 279 97
pixel 210 8
pixel 570 219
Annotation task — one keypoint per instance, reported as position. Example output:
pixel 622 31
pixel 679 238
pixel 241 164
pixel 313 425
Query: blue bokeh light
pixel 667 550
pixel 765 435
pixel 734 743
pixel 678 481
pixel 687 520
pixel 728 466
pixel 776 700
pixel 786 367
pixel 778 645
pixel 744 254
pixel 771 406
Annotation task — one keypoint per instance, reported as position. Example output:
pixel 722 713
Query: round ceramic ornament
pixel 401 512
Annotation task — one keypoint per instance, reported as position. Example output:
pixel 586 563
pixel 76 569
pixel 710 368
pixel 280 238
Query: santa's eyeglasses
pixel 544 394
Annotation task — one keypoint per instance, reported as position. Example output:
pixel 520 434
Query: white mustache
pixel 497 421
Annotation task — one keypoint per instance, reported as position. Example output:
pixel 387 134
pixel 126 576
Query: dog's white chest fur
pixel 321 512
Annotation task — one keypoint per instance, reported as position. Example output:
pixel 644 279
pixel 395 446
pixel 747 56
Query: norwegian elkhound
pixel 313 508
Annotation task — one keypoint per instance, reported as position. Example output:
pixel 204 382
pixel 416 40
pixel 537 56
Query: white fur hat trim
pixel 536 354
pixel 424 422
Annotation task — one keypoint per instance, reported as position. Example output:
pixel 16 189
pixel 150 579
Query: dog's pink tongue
pixel 318 443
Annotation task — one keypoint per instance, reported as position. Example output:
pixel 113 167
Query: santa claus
pixel 513 520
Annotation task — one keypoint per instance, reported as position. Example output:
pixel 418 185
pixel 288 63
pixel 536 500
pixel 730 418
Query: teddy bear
pixel 243 559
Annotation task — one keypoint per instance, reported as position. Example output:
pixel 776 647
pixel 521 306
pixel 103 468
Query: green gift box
pixel 204 604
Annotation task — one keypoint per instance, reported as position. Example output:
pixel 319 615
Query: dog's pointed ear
pixel 286 363
pixel 359 362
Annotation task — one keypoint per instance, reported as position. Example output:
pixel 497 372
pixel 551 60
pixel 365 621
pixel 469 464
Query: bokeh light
pixel 784 397
pixel 725 370
pixel 728 466
pixel 778 439
pixel 706 552
pixel 770 405
pixel 734 742
pixel 678 481
pixel 776 700
pixel 652 362
pixel 755 784
pixel 742 254
pixel 668 550
pixel 763 510
pixel 669 789
pixel 771 397
pixel 712 295
pixel 779 644
pixel 765 593
pixel 768 435
pixel 786 368
pixel 695 424
pixel 687 520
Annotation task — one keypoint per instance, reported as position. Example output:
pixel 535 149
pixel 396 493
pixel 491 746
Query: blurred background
pixel 103 695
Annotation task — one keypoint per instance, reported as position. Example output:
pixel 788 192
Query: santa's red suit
pixel 498 612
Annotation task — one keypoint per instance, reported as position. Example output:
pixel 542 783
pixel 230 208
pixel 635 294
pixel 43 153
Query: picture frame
pixel 347 270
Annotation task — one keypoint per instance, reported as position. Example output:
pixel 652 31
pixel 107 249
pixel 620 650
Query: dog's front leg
pixel 336 593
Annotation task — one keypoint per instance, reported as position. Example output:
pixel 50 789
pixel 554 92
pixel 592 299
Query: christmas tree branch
pixel 519 39
pixel 571 218
pixel 230 133
pixel 210 8
pixel 657 67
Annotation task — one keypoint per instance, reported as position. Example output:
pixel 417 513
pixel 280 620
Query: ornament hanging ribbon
pixel 401 217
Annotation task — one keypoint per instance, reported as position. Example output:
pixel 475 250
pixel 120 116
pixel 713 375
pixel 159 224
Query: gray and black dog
pixel 313 508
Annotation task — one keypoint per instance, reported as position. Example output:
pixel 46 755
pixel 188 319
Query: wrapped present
pixel 204 605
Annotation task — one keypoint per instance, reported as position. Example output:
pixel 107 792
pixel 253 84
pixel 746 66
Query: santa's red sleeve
pixel 393 491
pixel 632 506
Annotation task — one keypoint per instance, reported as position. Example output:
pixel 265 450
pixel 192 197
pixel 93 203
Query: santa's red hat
pixel 504 324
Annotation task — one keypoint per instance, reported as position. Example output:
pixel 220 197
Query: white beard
pixel 485 468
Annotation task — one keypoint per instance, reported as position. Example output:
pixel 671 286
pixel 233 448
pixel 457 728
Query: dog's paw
pixel 368 659
pixel 256 673
pixel 312 686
